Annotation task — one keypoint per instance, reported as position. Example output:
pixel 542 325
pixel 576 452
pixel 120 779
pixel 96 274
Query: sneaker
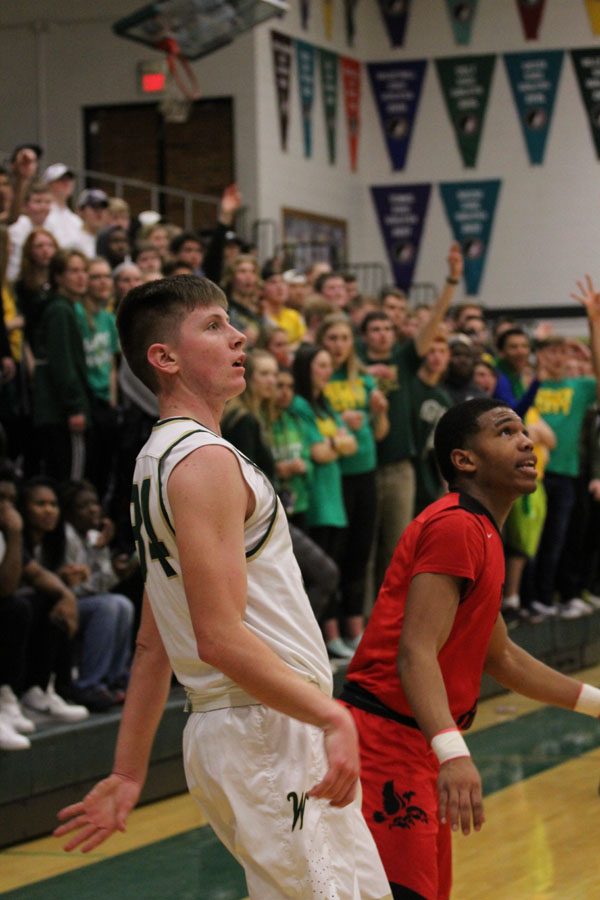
pixel 544 610
pixel 593 600
pixel 10 739
pixel 531 616
pixel 50 703
pixel 96 698
pixel 585 608
pixel 575 609
pixel 354 641
pixel 11 710
pixel 512 602
pixel 338 649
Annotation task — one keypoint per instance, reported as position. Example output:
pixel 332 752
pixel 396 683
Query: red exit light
pixel 153 82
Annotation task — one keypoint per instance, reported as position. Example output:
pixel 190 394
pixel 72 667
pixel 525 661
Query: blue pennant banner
pixel 397 89
pixel 401 210
pixel 395 15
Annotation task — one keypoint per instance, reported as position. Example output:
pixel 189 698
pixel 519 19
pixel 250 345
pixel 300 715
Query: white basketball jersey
pixel 277 608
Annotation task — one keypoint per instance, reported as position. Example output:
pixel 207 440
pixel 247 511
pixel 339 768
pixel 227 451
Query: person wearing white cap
pixel 92 206
pixel 62 222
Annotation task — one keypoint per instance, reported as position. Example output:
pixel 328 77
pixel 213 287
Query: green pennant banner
pixel 462 13
pixel 305 60
pixel 470 207
pixel 329 87
pixel 534 80
pixel 587 69
pixel 465 83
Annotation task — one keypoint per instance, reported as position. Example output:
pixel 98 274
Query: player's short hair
pixel 154 311
pixel 456 427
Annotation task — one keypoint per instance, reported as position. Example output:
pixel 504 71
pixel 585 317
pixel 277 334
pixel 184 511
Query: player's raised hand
pixel 341 746
pixel 101 812
pixel 589 298
pixel 459 795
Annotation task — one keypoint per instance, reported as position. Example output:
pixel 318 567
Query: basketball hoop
pixel 197 27
pixel 181 87
pixel 191 29
pixel 180 69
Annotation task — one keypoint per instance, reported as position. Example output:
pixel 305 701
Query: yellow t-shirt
pixel 292 322
pixel 15 335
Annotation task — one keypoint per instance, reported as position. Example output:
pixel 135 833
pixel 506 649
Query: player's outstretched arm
pixel 430 610
pixel 106 807
pixel 210 502
pixel 518 671
pixel 102 811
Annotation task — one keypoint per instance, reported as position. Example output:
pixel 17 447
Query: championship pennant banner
pixel 328 18
pixel 282 66
pixel 304 13
pixel 593 9
pixel 534 80
pixel 401 211
pixel 305 60
pixel 531 12
pixel 465 83
pixel 470 207
pixel 329 88
pixel 397 90
pixel 351 85
pixel 395 15
pixel 462 13
pixel 587 69
pixel 349 11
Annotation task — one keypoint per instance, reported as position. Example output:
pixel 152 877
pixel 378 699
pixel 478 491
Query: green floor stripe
pixel 189 866
pixel 195 866
pixel 513 751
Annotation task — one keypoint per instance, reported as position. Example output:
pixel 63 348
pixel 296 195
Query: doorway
pixel 134 141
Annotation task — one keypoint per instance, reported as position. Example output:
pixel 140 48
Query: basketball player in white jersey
pixel 270 757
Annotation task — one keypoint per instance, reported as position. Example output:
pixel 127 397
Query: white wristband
pixel 449 744
pixel 588 701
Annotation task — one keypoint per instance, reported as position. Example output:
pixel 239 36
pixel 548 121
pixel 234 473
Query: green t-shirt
pixel 100 343
pixel 290 441
pixel 563 404
pixel 326 500
pixel 399 443
pixel 344 394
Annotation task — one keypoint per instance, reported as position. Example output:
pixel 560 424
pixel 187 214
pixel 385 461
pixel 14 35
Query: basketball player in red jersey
pixel 414 681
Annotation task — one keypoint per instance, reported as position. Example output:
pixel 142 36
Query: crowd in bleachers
pixel 342 398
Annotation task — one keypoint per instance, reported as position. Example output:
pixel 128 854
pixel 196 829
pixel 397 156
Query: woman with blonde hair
pixel 247 419
pixel 354 396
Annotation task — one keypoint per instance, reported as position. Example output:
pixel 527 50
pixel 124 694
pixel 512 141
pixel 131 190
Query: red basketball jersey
pixel 454 536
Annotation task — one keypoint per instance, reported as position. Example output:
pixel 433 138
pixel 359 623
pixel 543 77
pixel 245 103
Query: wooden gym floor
pixel 541 840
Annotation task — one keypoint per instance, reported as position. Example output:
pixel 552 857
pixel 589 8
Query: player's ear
pixel 162 358
pixel 463 461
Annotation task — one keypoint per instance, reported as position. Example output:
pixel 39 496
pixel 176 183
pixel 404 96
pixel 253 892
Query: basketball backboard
pixel 195 28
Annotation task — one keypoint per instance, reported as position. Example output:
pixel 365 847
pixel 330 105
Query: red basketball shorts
pixel 399 780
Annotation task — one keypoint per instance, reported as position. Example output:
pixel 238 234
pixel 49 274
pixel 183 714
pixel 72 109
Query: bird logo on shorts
pixel 398 811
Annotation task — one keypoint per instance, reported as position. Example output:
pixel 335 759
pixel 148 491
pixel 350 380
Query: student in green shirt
pixel 329 442
pixel 354 395
pixel 562 402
